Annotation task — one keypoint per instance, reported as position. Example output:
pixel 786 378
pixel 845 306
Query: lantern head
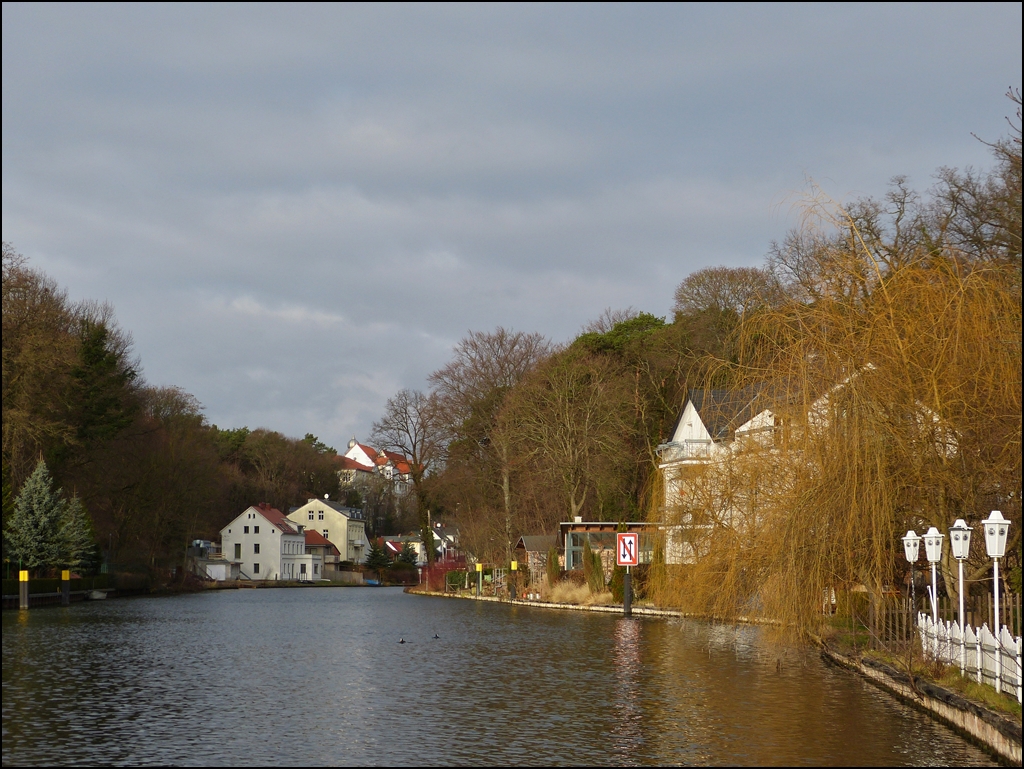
pixel 960 539
pixel 933 545
pixel 911 546
pixel 996 528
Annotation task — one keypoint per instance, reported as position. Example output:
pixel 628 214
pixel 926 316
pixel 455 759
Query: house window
pixel 245 529
pixel 255 529
pixel 255 568
pixel 311 515
pixel 256 548
pixel 238 551
pixel 321 514
pixel 325 534
pixel 302 568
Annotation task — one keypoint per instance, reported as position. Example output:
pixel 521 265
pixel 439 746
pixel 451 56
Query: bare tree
pixel 470 392
pixel 609 319
pixel 411 426
pixel 725 289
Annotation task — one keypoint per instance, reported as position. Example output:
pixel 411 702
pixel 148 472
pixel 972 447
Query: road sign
pixel 627 549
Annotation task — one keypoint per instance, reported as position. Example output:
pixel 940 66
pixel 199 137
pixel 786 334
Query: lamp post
pixel 996 528
pixel 960 542
pixel 933 550
pixel 912 549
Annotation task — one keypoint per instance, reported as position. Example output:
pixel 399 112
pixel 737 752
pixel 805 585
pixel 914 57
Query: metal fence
pixel 984 656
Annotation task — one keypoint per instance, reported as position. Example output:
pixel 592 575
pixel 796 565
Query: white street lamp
pixel 912 549
pixel 960 542
pixel 933 549
pixel 996 528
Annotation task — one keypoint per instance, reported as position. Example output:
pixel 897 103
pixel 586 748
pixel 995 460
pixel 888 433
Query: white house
pixel 342 526
pixel 266 545
pixel 717 425
pixel 389 464
pixel 710 424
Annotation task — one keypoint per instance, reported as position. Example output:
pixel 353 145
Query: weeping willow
pixel 890 399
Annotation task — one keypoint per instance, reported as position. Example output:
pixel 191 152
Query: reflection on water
pixel 627 735
pixel 298 677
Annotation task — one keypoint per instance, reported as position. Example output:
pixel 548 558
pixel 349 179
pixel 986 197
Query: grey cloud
pixel 298 210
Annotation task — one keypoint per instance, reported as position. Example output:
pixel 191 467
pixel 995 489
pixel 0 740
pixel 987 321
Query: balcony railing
pixel 682 450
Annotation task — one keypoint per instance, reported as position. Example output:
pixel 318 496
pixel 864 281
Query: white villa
pixel 265 545
pixel 342 526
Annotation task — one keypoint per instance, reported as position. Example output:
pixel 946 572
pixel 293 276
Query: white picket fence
pixel 988 659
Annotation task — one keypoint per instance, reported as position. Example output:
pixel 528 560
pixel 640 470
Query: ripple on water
pixel 307 677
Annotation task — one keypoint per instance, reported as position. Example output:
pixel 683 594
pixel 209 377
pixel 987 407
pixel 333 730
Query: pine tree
pixel 377 559
pixel 76 534
pixel 408 554
pixel 34 529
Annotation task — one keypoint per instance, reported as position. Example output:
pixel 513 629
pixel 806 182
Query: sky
pixel 298 211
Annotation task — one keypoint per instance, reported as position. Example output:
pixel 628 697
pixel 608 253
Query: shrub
pixel 553 569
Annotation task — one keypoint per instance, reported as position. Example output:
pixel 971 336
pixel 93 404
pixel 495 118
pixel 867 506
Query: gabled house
pixel 393 466
pixel 697 464
pixel 326 556
pixel 531 550
pixel 446 544
pixel 342 526
pixel 264 545
pixel 711 423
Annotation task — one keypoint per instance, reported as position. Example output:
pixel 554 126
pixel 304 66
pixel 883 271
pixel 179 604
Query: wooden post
pixel 23 589
pixel 65 587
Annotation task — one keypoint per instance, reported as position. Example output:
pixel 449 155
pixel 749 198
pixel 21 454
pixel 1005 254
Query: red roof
pixel 381 458
pixel 347 463
pixel 316 539
pixel 276 517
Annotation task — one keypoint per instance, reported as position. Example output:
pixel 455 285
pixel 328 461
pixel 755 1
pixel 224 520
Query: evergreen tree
pixel 8 503
pixel 34 529
pixel 593 569
pixel 408 554
pixel 377 560
pixel 76 535
pixel 553 569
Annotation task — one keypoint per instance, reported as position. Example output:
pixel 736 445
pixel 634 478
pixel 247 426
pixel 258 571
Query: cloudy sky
pixel 299 210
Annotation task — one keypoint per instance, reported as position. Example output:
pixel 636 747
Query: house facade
pixel 264 545
pixel 342 526
pixel 392 466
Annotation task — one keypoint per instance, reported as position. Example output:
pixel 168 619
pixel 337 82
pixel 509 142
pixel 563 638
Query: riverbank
pixel 993 731
pixel 986 727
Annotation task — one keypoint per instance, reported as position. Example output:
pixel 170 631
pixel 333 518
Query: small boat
pixel 96 595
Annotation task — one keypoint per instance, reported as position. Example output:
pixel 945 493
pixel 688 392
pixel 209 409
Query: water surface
pixel 318 677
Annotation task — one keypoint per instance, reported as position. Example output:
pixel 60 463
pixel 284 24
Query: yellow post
pixel 479 579
pixel 65 587
pixel 23 589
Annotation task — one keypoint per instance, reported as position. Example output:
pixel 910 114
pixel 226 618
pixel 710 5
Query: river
pixel 319 677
